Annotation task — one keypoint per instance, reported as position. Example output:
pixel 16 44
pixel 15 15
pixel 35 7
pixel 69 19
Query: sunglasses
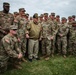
pixel 14 29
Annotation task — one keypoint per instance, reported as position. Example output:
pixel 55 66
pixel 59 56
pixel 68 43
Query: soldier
pixel 68 35
pixel 69 20
pixel 57 19
pixel 62 37
pixel 19 17
pixel 15 14
pixel 31 18
pixel 27 16
pixel 52 16
pixel 6 19
pixel 20 21
pixel 54 28
pixel 73 38
pixel 41 18
pixel 9 48
pixel 34 29
pixel 57 22
pixel 46 37
pixel 73 17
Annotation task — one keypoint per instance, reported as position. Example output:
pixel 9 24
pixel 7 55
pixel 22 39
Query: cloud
pixel 62 8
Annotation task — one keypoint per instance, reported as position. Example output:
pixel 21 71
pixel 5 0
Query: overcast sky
pixel 60 7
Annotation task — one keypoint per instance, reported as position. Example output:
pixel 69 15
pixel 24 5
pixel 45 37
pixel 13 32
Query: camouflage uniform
pixel 68 35
pixel 57 22
pixel 40 20
pixel 21 23
pixel 46 35
pixel 6 19
pixel 21 33
pixel 54 28
pixel 72 39
pixel 62 40
pixel 9 50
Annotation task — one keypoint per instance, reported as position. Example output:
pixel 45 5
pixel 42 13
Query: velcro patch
pixel 7 40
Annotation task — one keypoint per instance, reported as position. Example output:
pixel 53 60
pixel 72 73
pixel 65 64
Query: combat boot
pixel 64 56
pixel 47 58
pixel 30 60
pixel 17 67
pixel 23 59
pixel 52 55
pixel 37 58
pixel 19 63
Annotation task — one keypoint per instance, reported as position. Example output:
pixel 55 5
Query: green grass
pixel 55 66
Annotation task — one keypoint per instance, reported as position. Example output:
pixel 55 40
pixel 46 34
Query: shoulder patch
pixel 7 40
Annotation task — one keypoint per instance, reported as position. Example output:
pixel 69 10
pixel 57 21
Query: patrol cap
pixel 13 27
pixel 41 15
pixel 6 4
pixel 53 14
pixel 16 13
pixel 45 14
pixel 27 15
pixel 69 17
pixel 22 9
pixel 73 16
pixel 63 18
pixel 30 17
pixel 57 16
pixel 35 15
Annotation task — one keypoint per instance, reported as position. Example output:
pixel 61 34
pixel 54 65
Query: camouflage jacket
pixel 54 27
pixel 73 34
pixel 9 46
pixel 21 23
pixel 46 30
pixel 6 19
pixel 63 29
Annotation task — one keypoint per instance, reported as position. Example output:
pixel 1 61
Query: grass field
pixel 55 66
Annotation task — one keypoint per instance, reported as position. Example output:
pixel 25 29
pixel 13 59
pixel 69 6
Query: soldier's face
pixel 22 12
pixel 73 19
pixel 63 21
pixel 45 17
pixel 14 32
pixel 52 17
pixel 57 18
pixel 41 18
pixel 35 20
pixel 69 20
pixel 6 8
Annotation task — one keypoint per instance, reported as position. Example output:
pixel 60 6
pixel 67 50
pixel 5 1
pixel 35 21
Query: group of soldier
pixel 45 33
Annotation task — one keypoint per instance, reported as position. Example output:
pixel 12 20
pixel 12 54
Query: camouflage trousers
pixel 22 45
pixel 3 64
pixel 13 61
pixel 33 48
pixel 53 47
pixel 1 36
pixel 72 47
pixel 62 45
pixel 46 46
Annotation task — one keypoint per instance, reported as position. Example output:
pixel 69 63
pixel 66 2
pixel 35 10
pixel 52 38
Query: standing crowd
pixel 22 35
